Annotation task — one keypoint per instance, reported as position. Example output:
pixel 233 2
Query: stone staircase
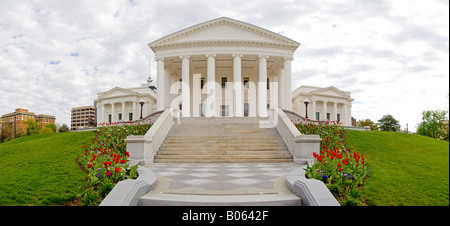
pixel 222 140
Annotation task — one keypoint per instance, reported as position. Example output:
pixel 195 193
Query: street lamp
pixel 306 107
pixel 141 102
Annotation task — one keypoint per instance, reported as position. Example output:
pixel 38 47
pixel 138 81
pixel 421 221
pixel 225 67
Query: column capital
pixel 159 58
pixel 237 55
pixel 185 56
pixel 289 58
pixel 265 56
pixel 210 55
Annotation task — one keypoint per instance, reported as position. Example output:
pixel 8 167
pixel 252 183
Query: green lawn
pixel 42 169
pixel 407 169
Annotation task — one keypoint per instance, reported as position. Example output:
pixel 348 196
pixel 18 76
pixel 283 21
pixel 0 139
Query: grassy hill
pixel 42 169
pixel 407 169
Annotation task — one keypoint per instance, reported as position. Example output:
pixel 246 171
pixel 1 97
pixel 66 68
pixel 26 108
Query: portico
pixel 119 104
pixel 224 67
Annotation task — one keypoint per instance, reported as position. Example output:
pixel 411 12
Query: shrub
pixel 45 130
pixel 63 128
pixel 52 126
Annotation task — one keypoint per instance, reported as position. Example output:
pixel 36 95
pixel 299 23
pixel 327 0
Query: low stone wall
pixel 311 191
pixel 300 145
pixel 128 192
pixel 142 149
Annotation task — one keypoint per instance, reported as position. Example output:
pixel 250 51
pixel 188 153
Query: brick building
pixel 18 117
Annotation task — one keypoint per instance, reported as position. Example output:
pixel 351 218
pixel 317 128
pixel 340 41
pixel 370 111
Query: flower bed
pixel 343 170
pixel 105 159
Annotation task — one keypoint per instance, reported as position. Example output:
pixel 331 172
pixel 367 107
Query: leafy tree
pixel 52 126
pixel 431 124
pixel 389 123
pixel 31 126
pixel 367 122
pixel 45 130
pixel 63 128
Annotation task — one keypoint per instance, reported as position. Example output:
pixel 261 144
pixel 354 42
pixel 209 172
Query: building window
pixel 224 82
pixel 328 116
pixel 130 116
pixel 268 83
pixel 246 81
pixel 317 116
pixel 224 110
pixel 338 118
pixel 120 116
pixel 109 119
pixel 202 82
pixel 246 107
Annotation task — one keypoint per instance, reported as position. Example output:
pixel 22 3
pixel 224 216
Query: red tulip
pixel 117 170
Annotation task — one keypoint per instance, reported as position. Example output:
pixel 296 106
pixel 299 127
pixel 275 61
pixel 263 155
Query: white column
pixel 344 116
pixel 123 110
pixel 281 88
pixel 112 112
pixel 167 75
pixel 313 110
pixel 287 84
pixel 347 115
pixel 324 111
pixel 185 89
pixel 262 87
pixel 237 86
pixel 160 99
pixel 134 111
pixel 210 108
pixel 102 114
pixel 274 92
pixel 334 115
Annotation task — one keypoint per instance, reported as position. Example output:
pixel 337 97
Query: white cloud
pixel 392 55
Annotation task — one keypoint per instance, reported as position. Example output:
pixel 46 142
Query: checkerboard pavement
pixel 243 178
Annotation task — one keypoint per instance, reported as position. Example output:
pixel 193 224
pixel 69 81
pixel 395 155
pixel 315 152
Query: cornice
pixel 223 42
pixel 282 41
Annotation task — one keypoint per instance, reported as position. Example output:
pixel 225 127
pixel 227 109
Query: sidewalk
pixel 217 184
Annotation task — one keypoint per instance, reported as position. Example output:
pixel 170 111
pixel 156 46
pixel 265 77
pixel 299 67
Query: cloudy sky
pixel 392 55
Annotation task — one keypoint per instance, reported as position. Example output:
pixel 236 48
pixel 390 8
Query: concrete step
pixel 155 199
pixel 231 144
pixel 216 120
pixel 221 137
pixel 222 130
pixel 221 160
pixel 234 156
pixel 221 152
pixel 190 148
pixel 222 140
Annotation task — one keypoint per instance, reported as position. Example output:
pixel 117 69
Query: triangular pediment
pixel 224 30
pixel 330 91
pixel 117 92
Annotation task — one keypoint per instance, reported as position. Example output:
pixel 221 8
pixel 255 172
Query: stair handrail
pixel 300 145
pixel 142 149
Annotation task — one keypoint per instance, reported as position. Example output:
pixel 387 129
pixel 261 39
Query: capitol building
pixel 224 68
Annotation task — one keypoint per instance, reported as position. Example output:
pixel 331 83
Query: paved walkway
pixel 221 178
